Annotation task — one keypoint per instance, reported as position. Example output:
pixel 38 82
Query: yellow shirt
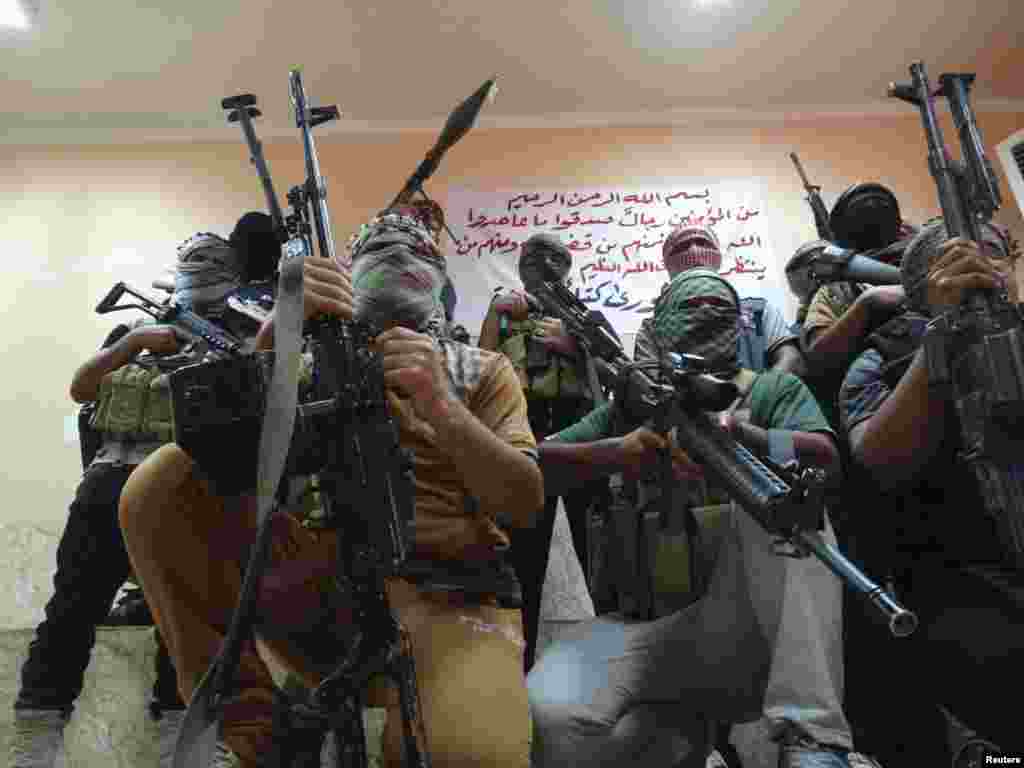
pixel 448 525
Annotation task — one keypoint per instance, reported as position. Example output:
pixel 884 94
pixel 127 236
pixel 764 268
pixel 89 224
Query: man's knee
pixel 155 479
pixel 562 721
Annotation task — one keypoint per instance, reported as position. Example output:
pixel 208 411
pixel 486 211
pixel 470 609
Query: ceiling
pixel 121 70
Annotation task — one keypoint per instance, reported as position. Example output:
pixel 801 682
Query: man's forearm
pixel 906 431
pixel 489 331
pixel 811 449
pixel 567 466
pixel 501 477
pixel 85 385
pixel 833 347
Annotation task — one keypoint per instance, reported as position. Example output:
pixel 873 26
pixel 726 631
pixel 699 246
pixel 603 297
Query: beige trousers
pixel 188 549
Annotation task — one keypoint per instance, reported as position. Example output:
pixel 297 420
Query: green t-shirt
pixel 663 580
pixel 777 401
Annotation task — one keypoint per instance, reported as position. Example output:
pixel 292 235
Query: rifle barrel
pixel 316 187
pixel 901 621
pixel 800 170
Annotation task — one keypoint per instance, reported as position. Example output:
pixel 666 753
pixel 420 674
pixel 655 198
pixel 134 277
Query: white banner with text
pixel 615 236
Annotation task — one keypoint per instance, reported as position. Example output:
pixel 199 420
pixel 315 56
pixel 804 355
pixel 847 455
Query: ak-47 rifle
pixel 815 201
pixel 786 502
pixel 597 340
pixel 974 351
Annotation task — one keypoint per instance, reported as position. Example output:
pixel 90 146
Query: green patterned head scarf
pixel 698 314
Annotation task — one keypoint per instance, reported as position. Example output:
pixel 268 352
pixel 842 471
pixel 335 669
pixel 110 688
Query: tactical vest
pixel 751 343
pixel 90 439
pixel 545 375
pixel 134 404
pixel 656 555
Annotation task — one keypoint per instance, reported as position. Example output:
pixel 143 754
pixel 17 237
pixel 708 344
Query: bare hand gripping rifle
pixel 975 352
pixel 675 393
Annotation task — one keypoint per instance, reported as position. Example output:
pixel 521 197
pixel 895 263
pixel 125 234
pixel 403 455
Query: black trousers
pixel 531 547
pixel 92 564
pixel 967 652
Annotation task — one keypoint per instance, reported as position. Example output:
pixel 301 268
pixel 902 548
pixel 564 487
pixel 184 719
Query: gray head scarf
pixel 208 270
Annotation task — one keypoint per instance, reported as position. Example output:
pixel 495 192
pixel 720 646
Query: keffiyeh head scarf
pixel 698 314
pixel 208 270
pixel 691 248
pixel 398 272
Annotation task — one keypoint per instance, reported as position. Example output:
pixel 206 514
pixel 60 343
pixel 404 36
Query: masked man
pixel 927 525
pixel 462 413
pixel 555 382
pixel 131 418
pixel 764 340
pixel 865 218
pixel 766 636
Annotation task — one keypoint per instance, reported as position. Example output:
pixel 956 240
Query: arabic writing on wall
pixel 615 236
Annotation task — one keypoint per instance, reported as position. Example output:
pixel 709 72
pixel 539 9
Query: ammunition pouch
pixel 544 374
pixel 653 556
pixel 218 415
pixel 134 404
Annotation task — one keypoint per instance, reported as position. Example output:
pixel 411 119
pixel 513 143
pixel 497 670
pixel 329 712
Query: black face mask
pixel 541 266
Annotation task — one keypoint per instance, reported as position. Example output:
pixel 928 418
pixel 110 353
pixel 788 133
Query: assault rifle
pixel 599 343
pixel 815 201
pixel 974 351
pixel 169 312
pixel 786 502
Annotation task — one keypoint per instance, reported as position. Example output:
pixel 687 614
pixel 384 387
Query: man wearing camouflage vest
pixel 553 374
pixel 131 418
